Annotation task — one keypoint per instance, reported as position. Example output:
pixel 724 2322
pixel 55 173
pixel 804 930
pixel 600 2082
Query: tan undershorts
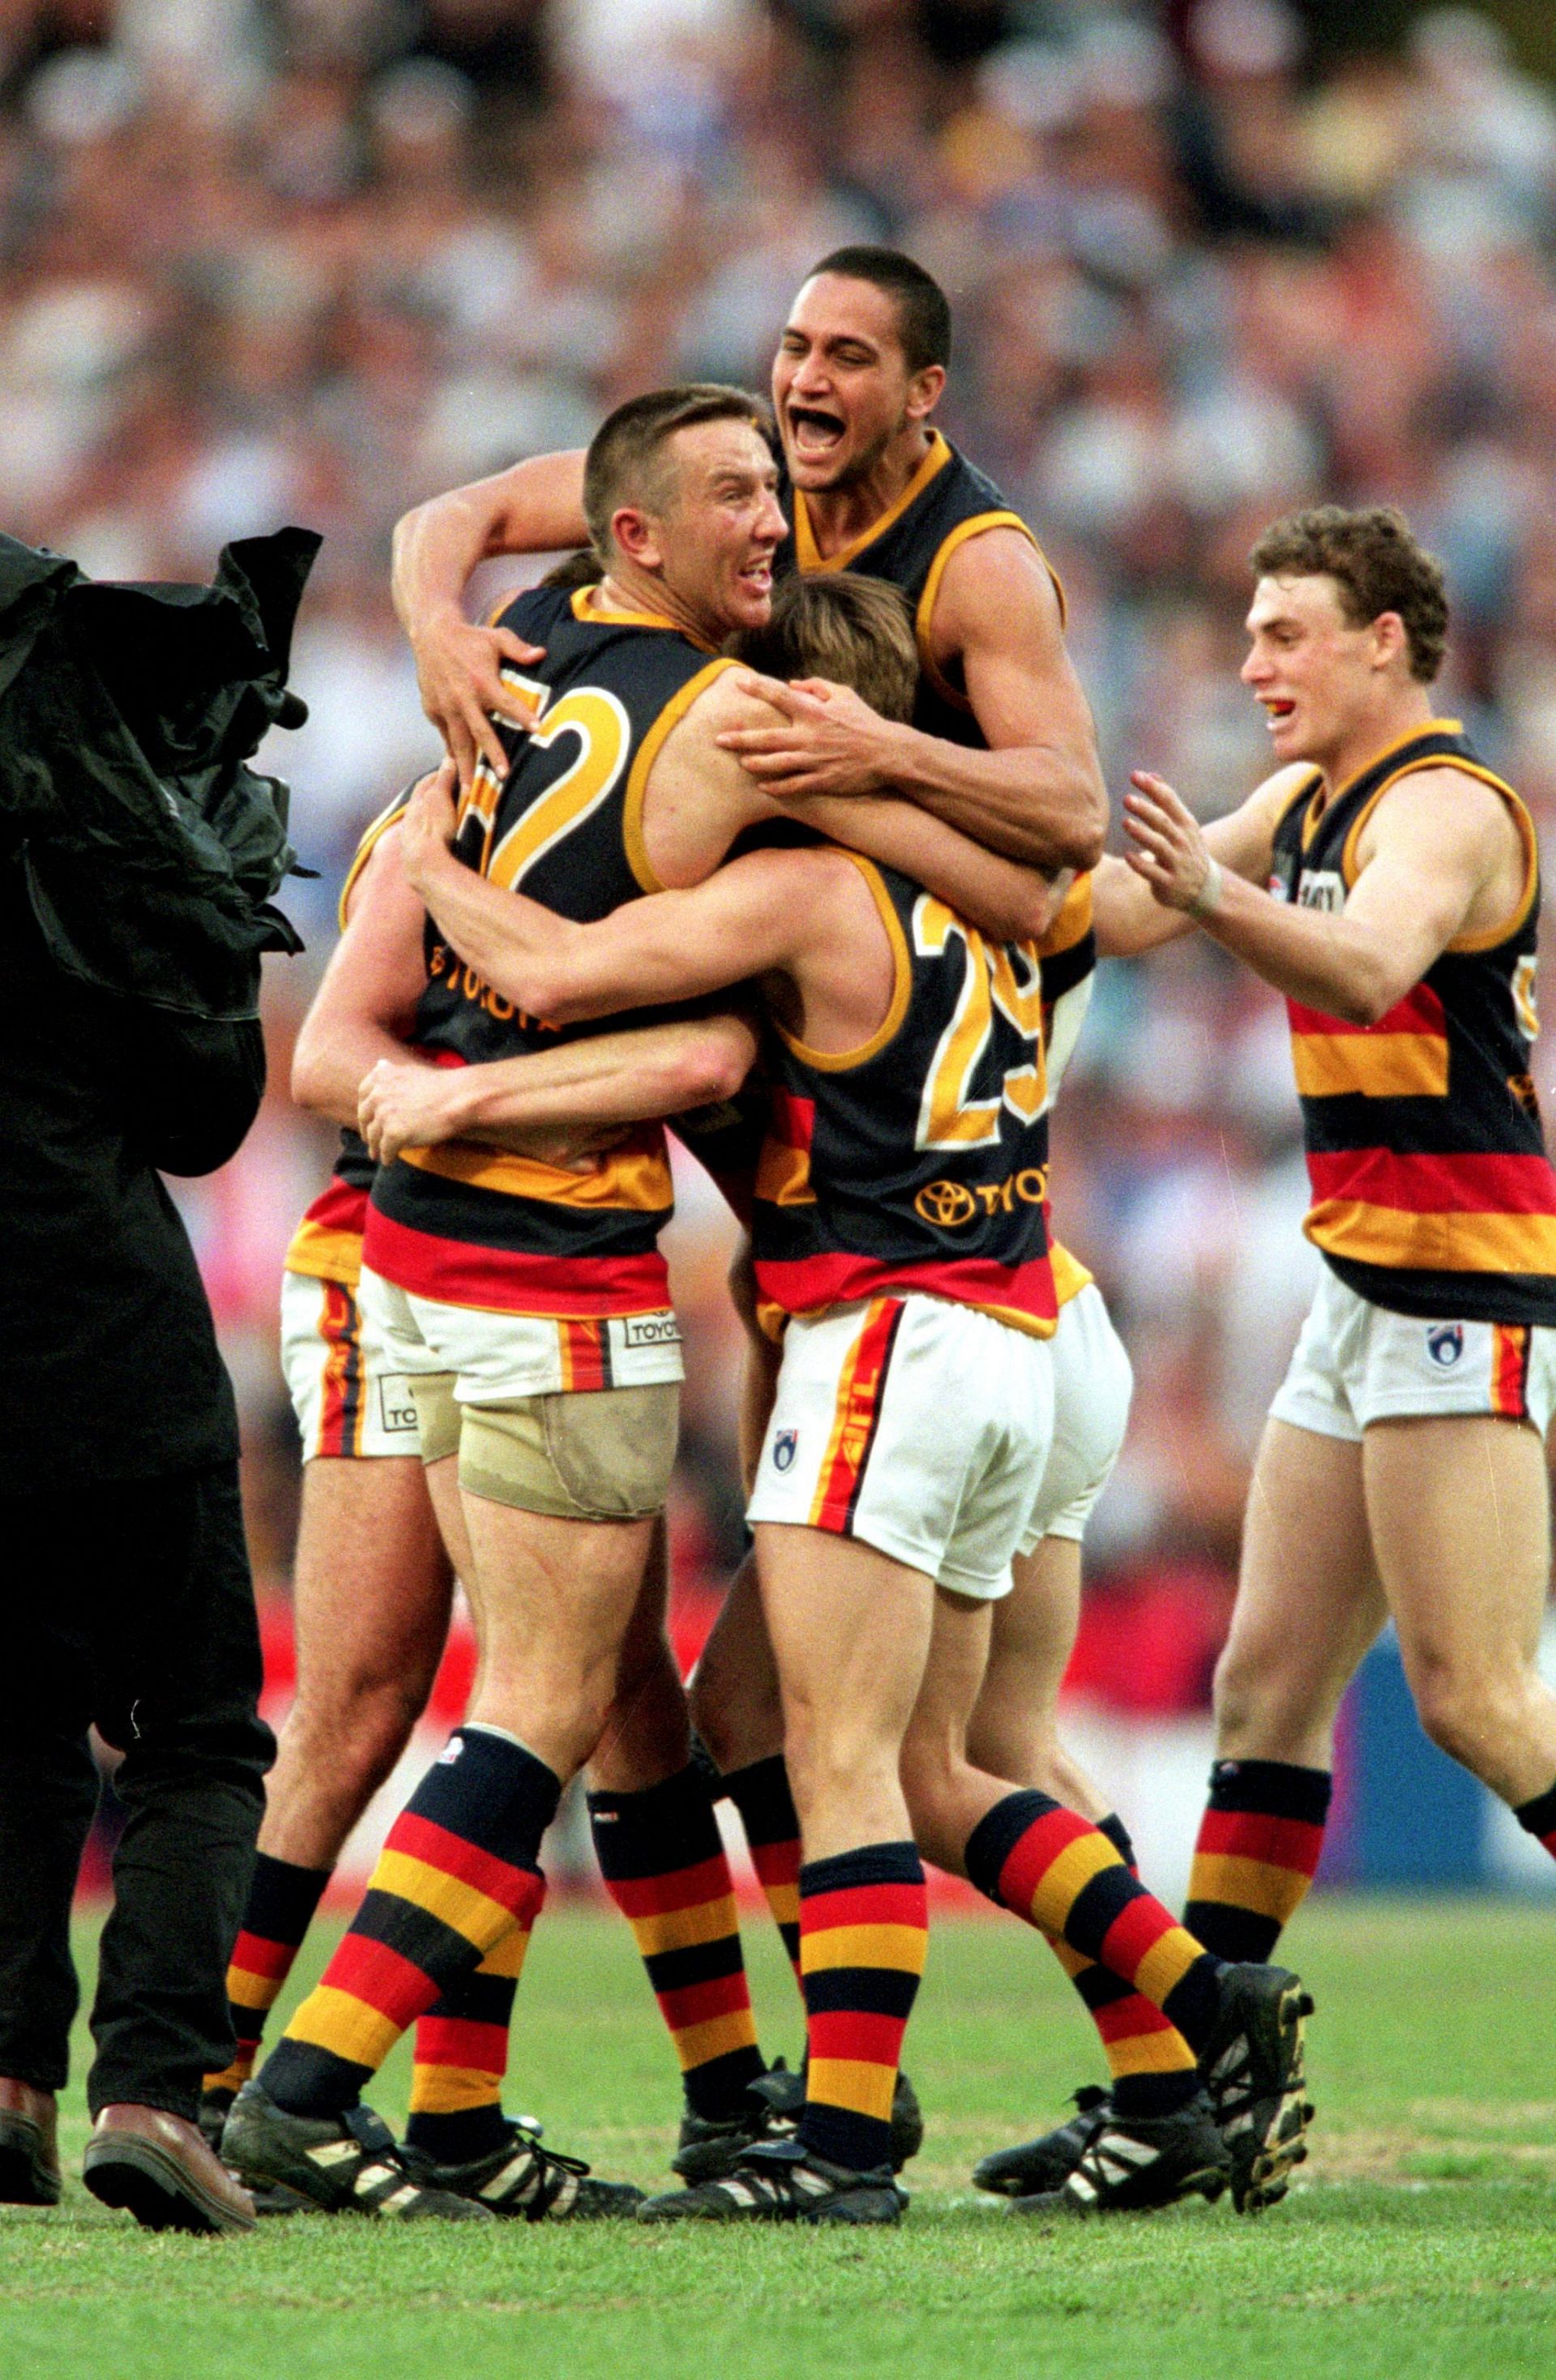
pixel 584 1454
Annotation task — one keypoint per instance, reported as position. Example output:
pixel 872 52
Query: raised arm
pixel 1128 915
pixel 1037 793
pixel 365 1008
pixel 1430 850
pixel 535 507
pixel 606 1079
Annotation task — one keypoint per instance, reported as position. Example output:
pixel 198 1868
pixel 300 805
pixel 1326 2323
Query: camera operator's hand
pixel 428 830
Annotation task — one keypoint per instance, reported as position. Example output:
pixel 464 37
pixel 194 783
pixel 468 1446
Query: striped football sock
pixel 1152 2069
pixel 864 1929
pixel 462 2056
pixel 662 1859
pixel 1257 1853
pixel 282 1899
pixel 457 1871
pixel 1060 1873
pixel 1539 1818
pixel 767 1810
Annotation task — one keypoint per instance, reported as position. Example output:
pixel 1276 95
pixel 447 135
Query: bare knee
pixel 1473 1714
pixel 353 1733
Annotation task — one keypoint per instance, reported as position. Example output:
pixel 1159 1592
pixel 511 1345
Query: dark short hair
pixel 839 624
pixel 1376 563
pixel 923 312
pixel 626 458
pixel 581 568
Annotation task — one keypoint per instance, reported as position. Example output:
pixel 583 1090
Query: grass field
pixel 1421 2240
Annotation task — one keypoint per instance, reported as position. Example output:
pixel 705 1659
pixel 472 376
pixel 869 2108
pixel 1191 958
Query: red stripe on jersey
pixel 805 1284
pixel 338 1208
pixel 791 1119
pixel 1420 1011
pixel 501 1281
pixel 1451 1184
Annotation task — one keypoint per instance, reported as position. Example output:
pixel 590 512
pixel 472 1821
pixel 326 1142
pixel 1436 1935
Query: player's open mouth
pixel 1278 706
pixel 758 576
pixel 814 434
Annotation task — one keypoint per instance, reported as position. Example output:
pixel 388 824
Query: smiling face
pixel 1318 676
pixel 841 386
pixel 715 526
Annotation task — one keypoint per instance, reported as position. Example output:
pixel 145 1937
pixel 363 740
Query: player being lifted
pixel 1000 742
pixel 1388 884
pixel 901 1227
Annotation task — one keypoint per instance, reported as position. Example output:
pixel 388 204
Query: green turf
pixel 1422 2240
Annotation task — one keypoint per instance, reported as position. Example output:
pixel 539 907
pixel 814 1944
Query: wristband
pixel 1207 898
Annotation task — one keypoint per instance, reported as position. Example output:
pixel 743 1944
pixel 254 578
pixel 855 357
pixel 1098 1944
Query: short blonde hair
pixel 839 624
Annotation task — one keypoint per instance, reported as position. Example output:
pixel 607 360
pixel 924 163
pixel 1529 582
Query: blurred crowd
pixel 313 259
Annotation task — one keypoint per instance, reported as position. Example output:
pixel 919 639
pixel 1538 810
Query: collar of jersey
pixel 614 615
pixel 805 554
pixel 1323 803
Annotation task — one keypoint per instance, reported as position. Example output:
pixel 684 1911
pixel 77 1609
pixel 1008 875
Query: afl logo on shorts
pixel 947 1204
pixel 785 1446
pixel 1446 1345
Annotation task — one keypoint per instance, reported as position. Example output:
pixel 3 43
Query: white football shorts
pixel 921 1428
pixel 1092 1381
pixel 1358 1362
pixel 348 1397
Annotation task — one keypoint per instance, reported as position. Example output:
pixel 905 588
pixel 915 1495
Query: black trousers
pixel 128 1606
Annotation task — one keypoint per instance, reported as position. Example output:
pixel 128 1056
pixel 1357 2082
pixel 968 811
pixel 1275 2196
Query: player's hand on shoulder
pixel 459 673
pixel 810 736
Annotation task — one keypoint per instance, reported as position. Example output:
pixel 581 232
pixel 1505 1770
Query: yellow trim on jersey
pixel 1489 938
pixel 808 555
pixel 616 615
pixel 1403 1237
pixel 634 1178
pixel 323 1254
pixel 976 526
pixel 1070 1276
pixel 1073 922
pixel 836 1062
pixel 648 752
pixel 1378 1065
pixel 365 849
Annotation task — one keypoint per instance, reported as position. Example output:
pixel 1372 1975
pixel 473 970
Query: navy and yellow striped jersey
pixel 327 1243
pixel 919 1160
pixel 470 1225
pixel 944 503
pixel 1432 1192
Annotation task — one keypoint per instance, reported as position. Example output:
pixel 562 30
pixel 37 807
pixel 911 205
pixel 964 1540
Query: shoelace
pixel 535 2179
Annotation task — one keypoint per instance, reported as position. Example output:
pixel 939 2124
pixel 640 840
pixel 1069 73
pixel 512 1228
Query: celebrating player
pixel 1388 884
pixel 901 1227
pixel 528 1304
pixel 1001 742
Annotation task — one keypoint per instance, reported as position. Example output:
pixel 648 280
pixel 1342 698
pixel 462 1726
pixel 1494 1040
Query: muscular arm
pixel 1037 793
pixel 365 1007
pixel 1128 915
pixel 1006 901
pixel 610 1079
pixel 535 507
pixel 1431 849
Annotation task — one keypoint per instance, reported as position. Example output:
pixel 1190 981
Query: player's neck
pixel 840 517
pixel 1408 713
pixel 627 588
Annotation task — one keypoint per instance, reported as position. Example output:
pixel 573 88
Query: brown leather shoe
pixel 160 2170
pixel 28 2149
